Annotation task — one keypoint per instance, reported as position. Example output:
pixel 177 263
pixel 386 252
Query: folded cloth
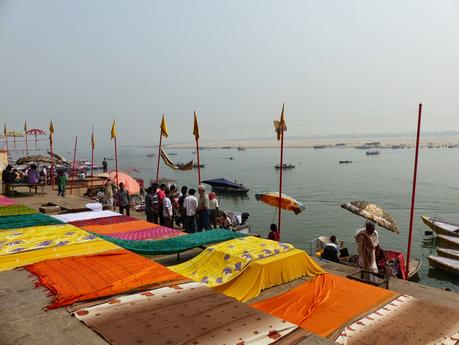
pixel 72 217
pixel 13 210
pixel 26 220
pixel 156 233
pixel 128 226
pixel 103 221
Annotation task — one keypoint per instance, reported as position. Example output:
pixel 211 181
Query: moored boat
pixel 226 186
pixel 373 152
pixel 285 166
pixel 445 264
pixel 450 242
pixel 196 165
pixel 441 228
pixel 448 253
pixel 345 162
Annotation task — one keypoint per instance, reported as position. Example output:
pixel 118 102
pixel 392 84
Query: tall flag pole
pixel 280 127
pixel 196 136
pixel 51 134
pixel 73 165
pixel 413 193
pixel 5 133
pixel 163 132
pixel 93 146
pixel 113 136
pixel 26 142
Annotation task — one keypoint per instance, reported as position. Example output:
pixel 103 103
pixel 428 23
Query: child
pixel 61 183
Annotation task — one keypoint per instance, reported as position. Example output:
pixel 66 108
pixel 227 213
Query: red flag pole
pixel 199 162
pixel 116 161
pixel 159 154
pixel 280 179
pixel 92 158
pixel 73 165
pixel 413 194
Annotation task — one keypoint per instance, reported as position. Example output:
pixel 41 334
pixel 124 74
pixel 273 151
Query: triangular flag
pixel 93 141
pixel 280 126
pixel 51 131
pixel 196 127
pixel 113 132
pixel 164 131
pixel 25 127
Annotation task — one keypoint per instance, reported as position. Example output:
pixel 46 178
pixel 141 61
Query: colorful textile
pixel 26 220
pixel 86 277
pixel 182 314
pixel 4 201
pixel 325 303
pixel 119 227
pixel 175 244
pixel 157 233
pixel 72 217
pixel 25 239
pixel 103 221
pixel 10 261
pixel 405 320
pixel 265 273
pixel 13 210
pixel 223 262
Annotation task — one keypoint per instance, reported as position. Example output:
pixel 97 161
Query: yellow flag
pixel 164 131
pixel 51 131
pixel 196 127
pixel 93 141
pixel 280 126
pixel 113 133
pixel 25 127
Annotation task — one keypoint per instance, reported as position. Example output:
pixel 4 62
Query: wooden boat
pixel 345 162
pixel 285 166
pixel 448 253
pixel 373 152
pixel 441 228
pixel 225 186
pixel 445 264
pixel 449 242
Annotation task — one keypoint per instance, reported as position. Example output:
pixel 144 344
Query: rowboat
pixel 345 162
pixel 441 228
pixel 285 166
pixel 449 242
pixel 448 253
pixel 373 152
pixel 445 264
pixel 223 185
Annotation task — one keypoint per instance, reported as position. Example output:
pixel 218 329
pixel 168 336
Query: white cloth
pixel 72 217
pixel 167 207
pixel 213 204
pixel 191 204
pixel 94 206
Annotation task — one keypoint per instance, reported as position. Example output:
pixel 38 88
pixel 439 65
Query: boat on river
pixel 450 242
pixel 285 166
pixel 345 162
pixel 196 165
pixel 373 152
pixel 441 228
pixel 445 264
pixel 225 186
pixel 448 253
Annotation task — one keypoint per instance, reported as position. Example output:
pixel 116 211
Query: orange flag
pixel 113 132
pixel 196 127
pixel 280 126
pixel 164 131
pixel 51 132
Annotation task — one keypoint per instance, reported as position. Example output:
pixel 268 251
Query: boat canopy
pixel 222 182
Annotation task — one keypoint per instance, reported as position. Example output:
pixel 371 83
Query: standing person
pixel 104 165
pixel 273 233
pixel 203 208
pixel 124 200
pixel 161 195
pixel 61 183
pixel 213 209
pixel 181 208
pixel 108 194
pixel 367 241
pixel 168 213
pixel 190 205
pixel 151 204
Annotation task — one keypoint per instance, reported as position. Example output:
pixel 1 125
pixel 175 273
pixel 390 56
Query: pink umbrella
pixel 35 132
pixel 130 184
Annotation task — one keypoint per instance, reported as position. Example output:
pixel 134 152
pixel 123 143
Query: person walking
pixel 190 204
pixel 61 183
pixel 104 165
pixel 151 204
pixel 124 200
pixel 203 209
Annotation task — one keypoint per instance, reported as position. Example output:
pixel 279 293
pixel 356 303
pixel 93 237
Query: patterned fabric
pixel 10 261
pixel 405 320
pixel 103 221
pixel 109 229
pixel 157 233
pixel 72 217
pixel 25 239
pixel 86 277
pixel 175 244
pixel 325 303
pixel 13 210
pixel 223 262
pixel 26 220
pixel 4 201
pixel 182 314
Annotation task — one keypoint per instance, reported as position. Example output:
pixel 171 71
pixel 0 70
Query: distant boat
pixel 224 185
pixel 345 162
pixel 441 228
pixel 150 155
pixel 241 148
pixel 172 154
pixel 285 166
pixel 196 165
pixel 319 146
pixel 373 152
pixel 226 147
pixel 230 158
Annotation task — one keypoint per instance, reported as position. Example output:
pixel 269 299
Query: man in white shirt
pixel 190 204
pixel 167 211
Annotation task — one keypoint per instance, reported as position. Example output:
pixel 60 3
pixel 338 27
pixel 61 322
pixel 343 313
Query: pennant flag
pixel 280 126
pixel 171 164
pixel 113 133
pixel 196 127
pixel 25 127
pixel 51 132
pixel 93 141
pixel 164 131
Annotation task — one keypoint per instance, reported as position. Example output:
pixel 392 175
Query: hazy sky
pixel 340 66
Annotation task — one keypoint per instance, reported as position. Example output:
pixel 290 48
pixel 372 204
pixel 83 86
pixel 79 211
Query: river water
pixel 322 184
